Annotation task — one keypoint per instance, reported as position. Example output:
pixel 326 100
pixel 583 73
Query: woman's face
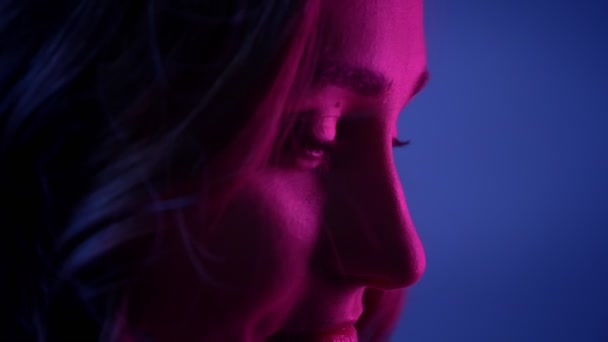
pixel 302 242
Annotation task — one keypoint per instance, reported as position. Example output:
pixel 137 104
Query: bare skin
pixel 301 247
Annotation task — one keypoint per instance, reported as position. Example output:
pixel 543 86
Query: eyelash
pixel 323 149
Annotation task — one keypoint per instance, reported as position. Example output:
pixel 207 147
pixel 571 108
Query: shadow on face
pixel 303 241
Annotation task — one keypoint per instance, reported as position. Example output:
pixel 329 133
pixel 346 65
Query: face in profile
pixel 303 240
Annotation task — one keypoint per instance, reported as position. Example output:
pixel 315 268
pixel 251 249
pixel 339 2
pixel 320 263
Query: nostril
pixel 393 273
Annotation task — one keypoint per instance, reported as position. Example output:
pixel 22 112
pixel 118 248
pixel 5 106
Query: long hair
pixel 105 102
pixel 102 104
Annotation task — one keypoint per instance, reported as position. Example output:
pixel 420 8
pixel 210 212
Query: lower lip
pixel 346 334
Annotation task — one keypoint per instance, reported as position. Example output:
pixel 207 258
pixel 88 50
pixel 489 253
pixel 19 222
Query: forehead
pixel 385 36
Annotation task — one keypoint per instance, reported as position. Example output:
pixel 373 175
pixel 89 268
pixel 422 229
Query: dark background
pixel 507 173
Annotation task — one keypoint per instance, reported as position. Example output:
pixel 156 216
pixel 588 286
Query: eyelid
pixel 315 146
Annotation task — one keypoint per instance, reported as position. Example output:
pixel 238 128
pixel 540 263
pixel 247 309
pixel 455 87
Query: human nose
pixel 372 235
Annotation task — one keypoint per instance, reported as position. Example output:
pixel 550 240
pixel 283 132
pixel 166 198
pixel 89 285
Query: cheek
pixel 265 240
pixel 250 272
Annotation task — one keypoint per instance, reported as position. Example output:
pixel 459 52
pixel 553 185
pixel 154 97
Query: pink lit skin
pixel 299 247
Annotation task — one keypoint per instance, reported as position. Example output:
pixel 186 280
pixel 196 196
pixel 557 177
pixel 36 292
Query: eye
pixel 312 151
pixel 311 142
pixel 317 150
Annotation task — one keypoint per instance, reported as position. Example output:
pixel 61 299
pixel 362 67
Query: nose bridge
pixel 380 246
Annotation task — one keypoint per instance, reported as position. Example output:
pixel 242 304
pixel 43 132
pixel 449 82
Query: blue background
pixel 507 174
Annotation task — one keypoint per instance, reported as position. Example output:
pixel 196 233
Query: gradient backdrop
pixel 507 173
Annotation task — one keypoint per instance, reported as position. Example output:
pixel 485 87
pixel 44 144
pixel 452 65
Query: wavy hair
pixel 104 103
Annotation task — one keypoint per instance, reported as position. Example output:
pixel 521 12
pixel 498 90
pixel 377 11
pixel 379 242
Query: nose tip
pixel 415 265
pixel 381 247
pixel 401 267
pixel 386 270
pixel 384 258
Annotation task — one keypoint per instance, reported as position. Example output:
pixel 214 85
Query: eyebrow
pixel 363 81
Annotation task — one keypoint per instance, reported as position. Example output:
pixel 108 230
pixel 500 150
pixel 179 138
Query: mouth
pixel 345 332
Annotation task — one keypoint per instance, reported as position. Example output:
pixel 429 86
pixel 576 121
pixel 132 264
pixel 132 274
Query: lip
pixel 344 332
